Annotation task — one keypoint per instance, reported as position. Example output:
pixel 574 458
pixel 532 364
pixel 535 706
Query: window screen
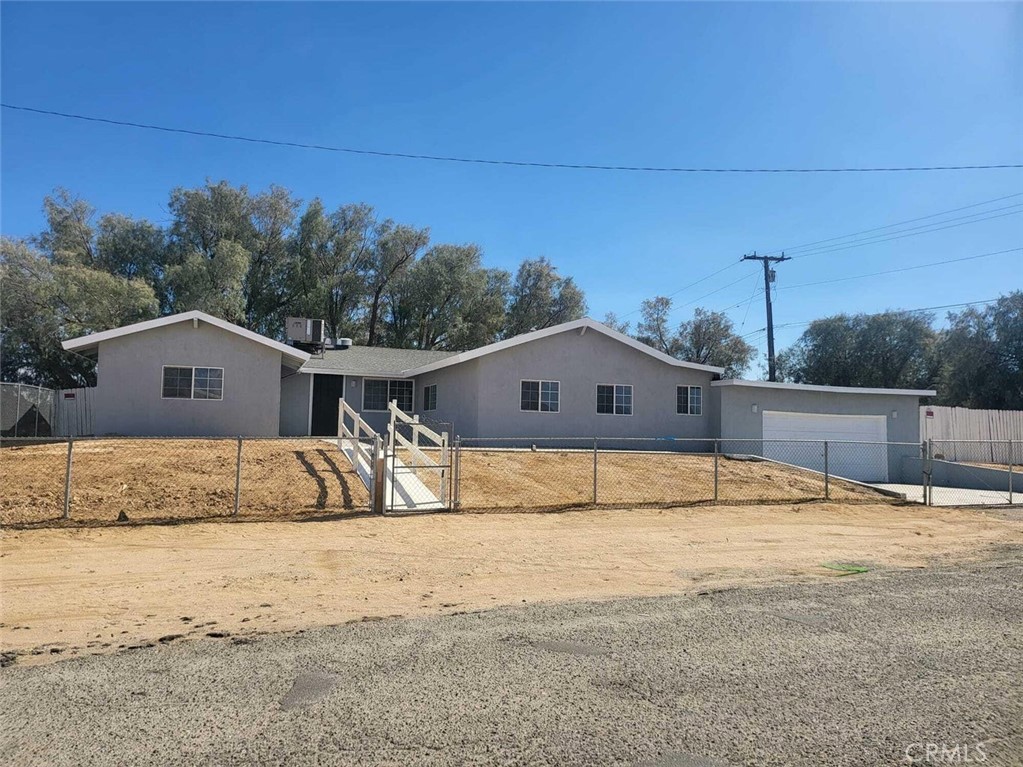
pixel 614 399
pixel 400 391
pixel 430 397
pixel 209 383
pixel 689 400
pixel 177 383
pixel 374 394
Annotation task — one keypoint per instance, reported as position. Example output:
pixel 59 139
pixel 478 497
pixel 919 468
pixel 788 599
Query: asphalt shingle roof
pixel 372 360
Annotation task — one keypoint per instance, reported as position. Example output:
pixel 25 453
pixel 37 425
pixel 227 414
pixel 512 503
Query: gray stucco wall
pixel 739 422
pixel 579 363
pixel 296 395
pixel 458 397
pixel 128 398
pixel 376 420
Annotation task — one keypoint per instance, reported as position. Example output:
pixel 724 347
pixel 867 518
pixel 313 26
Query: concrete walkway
pixel 954 496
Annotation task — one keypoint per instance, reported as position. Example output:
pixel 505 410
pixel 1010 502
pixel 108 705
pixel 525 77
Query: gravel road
pixel 849 671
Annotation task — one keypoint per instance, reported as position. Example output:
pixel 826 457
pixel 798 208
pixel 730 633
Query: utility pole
pixel 768 279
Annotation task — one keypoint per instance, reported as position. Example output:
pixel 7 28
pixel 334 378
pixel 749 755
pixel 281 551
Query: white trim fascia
pixel 826 389
pixel 536 335
pixel 93 339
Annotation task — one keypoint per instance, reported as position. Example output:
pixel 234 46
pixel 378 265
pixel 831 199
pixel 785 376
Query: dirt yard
pixel 167 479
pixel 524 479
pixel 176 480
pixel 68 592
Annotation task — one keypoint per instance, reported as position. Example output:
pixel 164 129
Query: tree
pixel 887 350
pixel 395 250
pixel 653 327
pixel 709 339
pixel 447 300
pixel 612 321
pixel 540 298
pixel 237 246
pixel 333 254
pixel 47 302
pixel 982 356
pixel 69 236
pixel 133 249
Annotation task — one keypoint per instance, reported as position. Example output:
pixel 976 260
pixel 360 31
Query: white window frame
pixel 614 399
pixel 191 394
pixel 389 380
pixel 425 396
pixel 541 382
pixel 689 399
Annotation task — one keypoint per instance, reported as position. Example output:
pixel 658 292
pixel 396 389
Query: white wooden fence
pixel 962 434
pixel 961 423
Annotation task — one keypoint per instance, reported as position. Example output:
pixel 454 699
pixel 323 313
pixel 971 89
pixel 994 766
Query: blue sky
pixel 727 85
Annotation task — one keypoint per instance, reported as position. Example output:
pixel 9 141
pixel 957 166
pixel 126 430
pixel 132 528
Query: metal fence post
pixel 455 471
pixel 1010 471
pixel 827 478
pixel 717 454
pixel 594 471
pixel 67 478
pixel 238 478
pixel 17 413
pixel 930 472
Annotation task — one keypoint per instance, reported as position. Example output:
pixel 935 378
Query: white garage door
pixel 862 462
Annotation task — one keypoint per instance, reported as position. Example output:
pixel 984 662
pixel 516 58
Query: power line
pixel 904 311
pixel 898 234
pixel 887 237
pixel 484 161
pixel 691 284
pixel 902 269
pixel 793 248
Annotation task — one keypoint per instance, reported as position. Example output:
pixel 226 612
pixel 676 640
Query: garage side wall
pixel 128 397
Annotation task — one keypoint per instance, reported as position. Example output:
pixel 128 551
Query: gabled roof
pixel 91 341
pixel 584 324
pixel 826 389
pixel 371 361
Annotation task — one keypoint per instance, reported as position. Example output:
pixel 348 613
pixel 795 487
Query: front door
pixel 327 390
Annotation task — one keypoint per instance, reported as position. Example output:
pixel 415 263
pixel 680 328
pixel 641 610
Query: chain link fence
pixel 27 411
pixel 972 472
pixel 106 480
pixel 552 473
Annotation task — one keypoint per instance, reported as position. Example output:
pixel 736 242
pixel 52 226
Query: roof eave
pixel 785 386
pixel 536 335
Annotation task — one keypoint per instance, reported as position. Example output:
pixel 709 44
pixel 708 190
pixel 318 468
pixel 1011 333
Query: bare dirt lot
pixel 186 479
pixel 87 590
pixel 176 479
pixel 521 478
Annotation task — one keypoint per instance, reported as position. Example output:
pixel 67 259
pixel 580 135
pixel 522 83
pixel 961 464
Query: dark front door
pixel 327 390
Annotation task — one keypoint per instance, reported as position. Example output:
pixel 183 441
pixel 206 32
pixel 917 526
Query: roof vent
pixel 343 343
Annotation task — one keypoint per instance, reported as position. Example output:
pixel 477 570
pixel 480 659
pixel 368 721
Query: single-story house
pixel 194 374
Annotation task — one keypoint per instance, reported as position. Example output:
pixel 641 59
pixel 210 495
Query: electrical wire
pixel 898 235
pixel 795 248
pixel 903 311
pixel 484 161
pixel 902 269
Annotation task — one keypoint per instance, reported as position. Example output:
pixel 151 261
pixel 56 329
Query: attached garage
pixel 853 451
pixel 871 433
